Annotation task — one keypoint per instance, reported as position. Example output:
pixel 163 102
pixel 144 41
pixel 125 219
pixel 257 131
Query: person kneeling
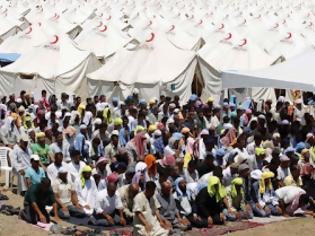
pixel 66 196
pixel 37 197
pixel 109 208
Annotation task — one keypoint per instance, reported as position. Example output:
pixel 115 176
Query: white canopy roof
pixel 149 63
pixel 296 73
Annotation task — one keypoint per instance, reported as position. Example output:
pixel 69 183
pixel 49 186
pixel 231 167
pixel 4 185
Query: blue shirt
pixel 35 176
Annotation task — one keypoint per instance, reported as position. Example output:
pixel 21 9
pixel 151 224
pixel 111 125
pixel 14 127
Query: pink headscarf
pixel 140 142
pixel 229 138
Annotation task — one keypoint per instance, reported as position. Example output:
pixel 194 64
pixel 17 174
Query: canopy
pixel 295 73
pixel 9 57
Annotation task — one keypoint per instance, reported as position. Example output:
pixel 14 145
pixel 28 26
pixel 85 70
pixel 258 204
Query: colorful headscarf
pixel 107 115
pixel 220 193
pixel 150 160
pixel 260 151
pixel 85 169
pixel 229 138
pixel 237 181
pixel 265 175
pixel 140 142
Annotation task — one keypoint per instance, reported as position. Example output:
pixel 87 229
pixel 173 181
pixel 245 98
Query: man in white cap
pixel 66 196
pixel 34 174
pixel 21 161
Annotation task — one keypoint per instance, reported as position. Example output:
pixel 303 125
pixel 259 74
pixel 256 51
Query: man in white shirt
pixel 60 145
pixel 66 196
pixel 108 208
pixel 75 166
pixel 21 161
pixel 53 168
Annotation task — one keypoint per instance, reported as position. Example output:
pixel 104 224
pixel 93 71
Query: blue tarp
pixel 9 57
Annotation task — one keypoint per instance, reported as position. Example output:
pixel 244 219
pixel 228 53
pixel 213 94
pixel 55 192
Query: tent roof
pixel 49 61
pixel 296 73
pixel 149 63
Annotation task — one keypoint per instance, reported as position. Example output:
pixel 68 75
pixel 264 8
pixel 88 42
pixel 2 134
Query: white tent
pixel 295 73
pixel 58 66
pixel 154 67
pixel 102 39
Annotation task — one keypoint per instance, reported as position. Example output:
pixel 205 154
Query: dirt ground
pixel 11 225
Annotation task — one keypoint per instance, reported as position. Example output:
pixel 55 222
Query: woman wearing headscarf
pixel 184 204
pixel 86 189
pixel 267 197
pixel 213 195
pixel 137 147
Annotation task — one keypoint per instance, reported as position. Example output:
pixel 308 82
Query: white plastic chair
pixel 4 164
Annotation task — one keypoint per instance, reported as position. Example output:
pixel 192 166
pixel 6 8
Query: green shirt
pixel 41 199
pixel 42 152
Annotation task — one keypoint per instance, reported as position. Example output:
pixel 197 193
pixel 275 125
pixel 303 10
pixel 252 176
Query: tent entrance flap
pixel 198 83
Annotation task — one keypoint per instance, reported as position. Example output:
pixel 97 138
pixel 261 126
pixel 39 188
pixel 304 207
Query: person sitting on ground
pixel 127 194
pixel 37 197
pixel 168 208
pixel 34 173
pixel 41 149
pixel 237 199
pixel 190 173
pixel 99 181
pixel 108 208
pixel 52 169
pixel 86 189
pixel 185 204
pixel 215 196
pixel 66 196
pixel 266 195
pixel 147 219
pixel 75 166
pixel 102 167
pixel 294 179
pixel 283 170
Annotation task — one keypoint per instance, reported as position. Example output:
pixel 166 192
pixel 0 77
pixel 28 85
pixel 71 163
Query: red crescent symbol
pixel 221 26
pixel 229 36
pixel 244 42
pixel 172 28
pixel 152 35
pixel 55 40
pixel 104 29
pixel 29 30
pixel 109 18
pixel 101 23
pixel 289 35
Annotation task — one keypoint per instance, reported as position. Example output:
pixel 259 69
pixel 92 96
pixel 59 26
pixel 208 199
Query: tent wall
pixel 212 81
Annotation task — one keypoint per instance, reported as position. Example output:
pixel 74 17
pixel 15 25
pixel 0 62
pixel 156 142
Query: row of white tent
pixel 113 46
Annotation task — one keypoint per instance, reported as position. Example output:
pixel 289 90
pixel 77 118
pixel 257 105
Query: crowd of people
pixel 161 165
